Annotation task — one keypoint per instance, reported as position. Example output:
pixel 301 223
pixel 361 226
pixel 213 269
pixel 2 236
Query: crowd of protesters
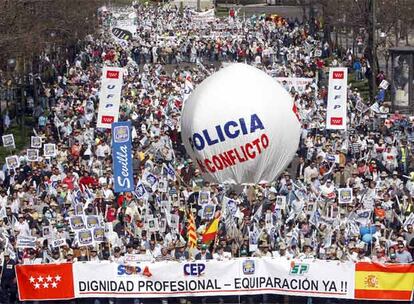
pixel 298 215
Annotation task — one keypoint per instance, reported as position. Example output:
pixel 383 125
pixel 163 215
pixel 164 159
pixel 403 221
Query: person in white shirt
pixel 154 249
pixel 22 226
pixel 263 251
pixel 221 255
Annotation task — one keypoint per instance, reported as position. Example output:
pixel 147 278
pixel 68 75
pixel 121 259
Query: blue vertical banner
pixel 122 156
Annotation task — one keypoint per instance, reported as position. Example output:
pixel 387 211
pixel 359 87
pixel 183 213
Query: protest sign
pixel 36 142
pixel 8 141
pixel 208 211
pixel 336 111
pixel 12 162
pixel 150 179
pixel 215 278
pixel 345 195
pixel 98 234
pixel 85 237
pixel 49 150
pixel 122 157
pixel 203 197
pixel 78 209
pixel 109 96
pixel 299 84
pixel 140 191
pixel 32 155
pixel 175 220
pixel 58 243
pixel 153 225
pixel 92 221
pixel 26 241
pixel 76 222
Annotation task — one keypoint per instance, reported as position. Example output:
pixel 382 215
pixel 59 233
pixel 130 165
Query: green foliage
pixel 21 138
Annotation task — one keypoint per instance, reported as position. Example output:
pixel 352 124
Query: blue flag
pixel 122 156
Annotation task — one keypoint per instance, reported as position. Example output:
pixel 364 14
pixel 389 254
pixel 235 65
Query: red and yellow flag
pixel 384 281
pixel 210 234
pixel 191 232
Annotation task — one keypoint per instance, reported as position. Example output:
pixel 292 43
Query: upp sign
pixel 194 269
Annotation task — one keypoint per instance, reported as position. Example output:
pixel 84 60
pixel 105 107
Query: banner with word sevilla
pixel 109 96
pixel 45 282
pixel 122 156
pixel 336 110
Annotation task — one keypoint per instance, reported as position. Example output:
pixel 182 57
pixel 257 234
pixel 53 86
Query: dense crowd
pixel 299 215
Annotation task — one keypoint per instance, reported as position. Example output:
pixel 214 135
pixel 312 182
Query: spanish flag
pixel 210 234
pixel 191 232
pixel 384 281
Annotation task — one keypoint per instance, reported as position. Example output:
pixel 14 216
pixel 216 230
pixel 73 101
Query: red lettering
pixel 338 75
pixel 217 162
pixel 336 121
pixel 249 147
pixel 107 119
pixel 231 154
pixel 265 141
pixel 112 74
pixel 209 166
pixel 256 143
pixel 226 160
pixel 242 160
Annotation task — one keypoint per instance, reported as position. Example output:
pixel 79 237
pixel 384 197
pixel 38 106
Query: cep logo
pixel 107 119
pixel 128 270
pixel 194 269
pixel 112 74
pixel 299 269
pixel 336 121
pixel 338 75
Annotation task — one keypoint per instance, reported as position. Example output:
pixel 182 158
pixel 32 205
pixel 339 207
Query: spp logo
pixel 299 269
pixel 107 119
pixel 194 269
pixel 336 121
pixel 338 75
pixel 128 270
pixel 249 267
pixel 121 134
pixel 112 74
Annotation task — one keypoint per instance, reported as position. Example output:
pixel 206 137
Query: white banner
pixel 298 83
pixel 110 96
pixel 337 99
pixel 211 278
pixel 203 16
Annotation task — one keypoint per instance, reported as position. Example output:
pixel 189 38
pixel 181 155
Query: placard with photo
pixel 12 162
pixel 8 141
pixel 49 150
pixel 35 142
pixel 32 155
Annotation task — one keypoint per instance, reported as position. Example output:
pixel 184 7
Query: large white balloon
pixel 239 126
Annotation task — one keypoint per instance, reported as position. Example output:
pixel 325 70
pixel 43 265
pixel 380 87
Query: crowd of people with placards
pixel 346 196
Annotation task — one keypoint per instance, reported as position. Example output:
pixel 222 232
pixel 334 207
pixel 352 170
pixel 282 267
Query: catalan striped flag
pixel 191 232
pixel 384 281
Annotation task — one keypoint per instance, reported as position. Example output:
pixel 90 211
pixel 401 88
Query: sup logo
pixel 249 267
pixel 299 269
pixel 128 270
pixel 121 134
